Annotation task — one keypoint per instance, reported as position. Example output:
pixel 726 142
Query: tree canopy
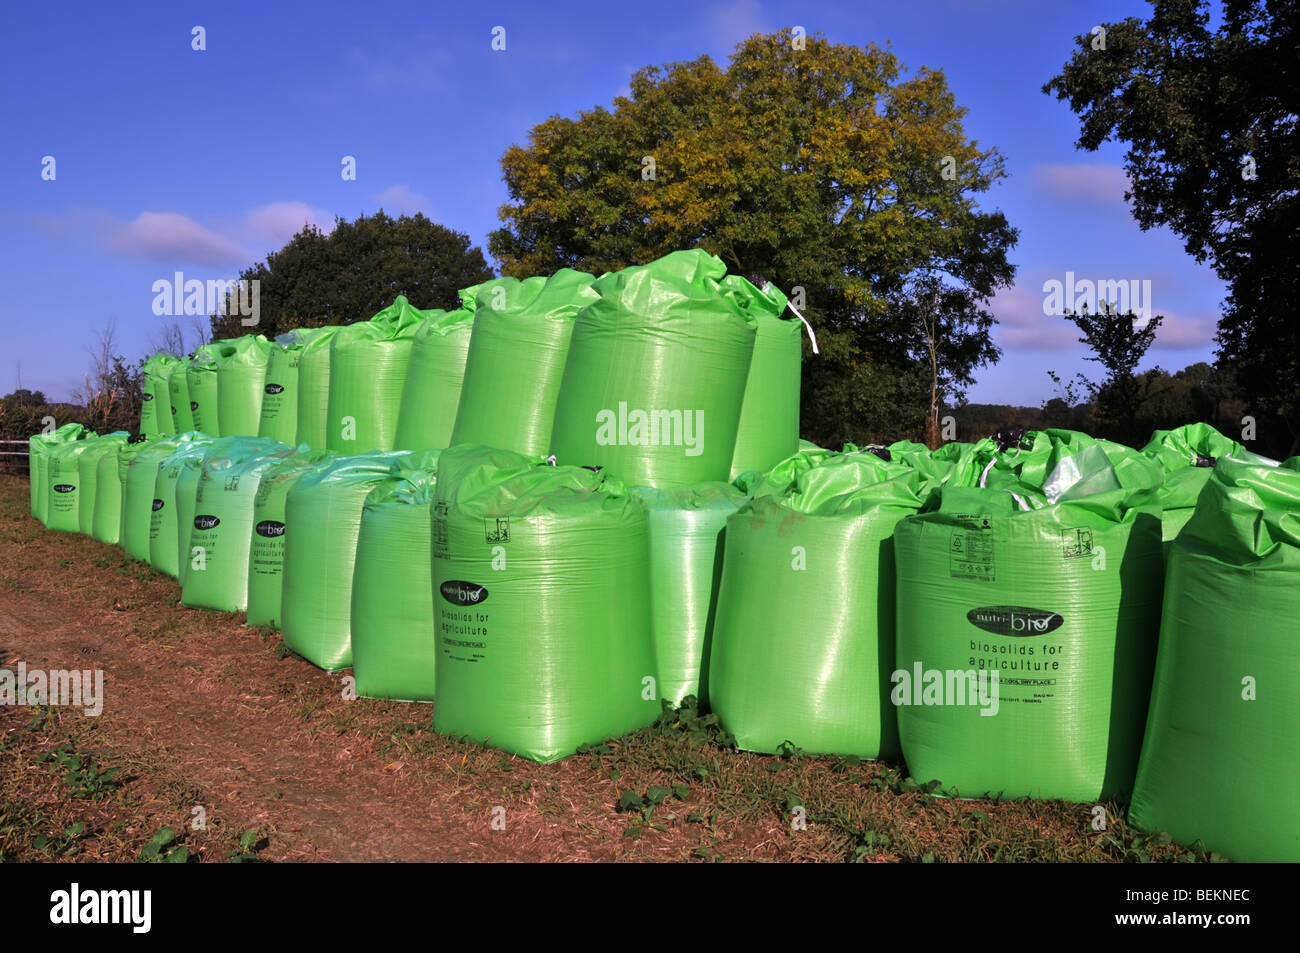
pixel 1209 117
pixel 813 164
pixel 357 270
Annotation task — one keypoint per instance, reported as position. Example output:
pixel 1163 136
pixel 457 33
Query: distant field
pixel 203 713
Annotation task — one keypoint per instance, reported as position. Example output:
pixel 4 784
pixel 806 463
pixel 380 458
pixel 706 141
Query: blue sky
pixel 170 159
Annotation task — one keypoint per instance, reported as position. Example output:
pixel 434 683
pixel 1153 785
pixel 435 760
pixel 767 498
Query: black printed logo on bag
pixel 157 505
pixel 274 388
pixel 206 522
pixel 1014 620
pixel 463 593
pixel 148 396
pixel 63 488
pixel 270 529
pixel 496 529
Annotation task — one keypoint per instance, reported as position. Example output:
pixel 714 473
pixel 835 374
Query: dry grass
pixel 202 712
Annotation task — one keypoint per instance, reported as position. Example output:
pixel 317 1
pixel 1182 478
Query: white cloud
pixel 174 238
pixel 403 200
pixel 1179 332
pixel 1022 324
pixel 171 236
pixel 277 222
pixel 1098 185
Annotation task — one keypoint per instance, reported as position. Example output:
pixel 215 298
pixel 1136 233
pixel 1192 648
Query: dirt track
pixel 206 704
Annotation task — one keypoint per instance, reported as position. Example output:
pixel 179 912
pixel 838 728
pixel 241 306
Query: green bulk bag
pixel 222 526
pixel 768 430
pixel 656 374
pixel 241 377
pixel 155 407
pixel 1188 454
pixel 88 471
pixel 777 479
pixel 280 395
pixel 314 385
pixel 543 606
pixel 178 388
pixel 324 508
pixel 202 383
pixel 686 527
pixel 1048 576
pixel 803 645
pixel 108 489
pixel 367 372
pixel 63 484
pixel 394 651
pixel 139 474
pixel 187 491
pixel 1221 757
pixel 436 372
pixel 516 360
pixel 38 445
pixel 164 524
pixel 266 549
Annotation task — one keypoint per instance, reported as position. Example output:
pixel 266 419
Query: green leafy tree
pixel 1209 117
pixel 1118 344
pixel 355 271
pixel 822 169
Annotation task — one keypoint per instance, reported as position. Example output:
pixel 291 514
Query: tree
pixel 953 334
pixel 1214 154
pixel 355 271
pixel 111 395
pixel 818 167
pixel 1118 345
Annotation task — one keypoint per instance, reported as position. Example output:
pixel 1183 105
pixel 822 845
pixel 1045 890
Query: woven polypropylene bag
pixel 367 372
pixel 540 582
pixel 656 374
pixel 516 361
pixel 202 382
pixel 436 373
pixel 1049 576
pixel 686 530
pixel 803 644
pixel 64 485
pixel 324 510
pixel 394 651
pixel 314 385
pixel 38 446
pixel 1188 454
pixel 139 480
pixel 1221 757
pixel 178 388
pixel 107 527
pixel 155 411
pixel 266 548
pixel 768 430
pixel 88 469
pixel 164 523
pixel 222 527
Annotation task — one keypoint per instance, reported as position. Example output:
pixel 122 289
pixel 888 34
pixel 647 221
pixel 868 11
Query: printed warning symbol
pixel 1076 543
